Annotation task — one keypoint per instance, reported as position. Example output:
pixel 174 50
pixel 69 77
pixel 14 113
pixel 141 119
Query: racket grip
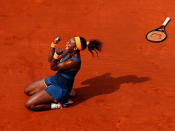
pixel 166 21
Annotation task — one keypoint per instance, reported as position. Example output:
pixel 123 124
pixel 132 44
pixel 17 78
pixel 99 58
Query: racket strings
pixel 156 36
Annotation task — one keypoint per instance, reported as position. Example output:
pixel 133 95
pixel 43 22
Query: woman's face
pixel 70 46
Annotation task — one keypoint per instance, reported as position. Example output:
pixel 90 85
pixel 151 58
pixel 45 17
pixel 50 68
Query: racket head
pixel 157 35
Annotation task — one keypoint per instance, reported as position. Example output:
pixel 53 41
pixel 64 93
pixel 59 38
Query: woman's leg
pixel 40 101
pixel 67 104
pixel 34 87
pixel 72 93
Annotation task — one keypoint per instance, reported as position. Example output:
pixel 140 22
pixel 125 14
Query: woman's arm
pixel 52 49
pixel 53 64
pixel 55 61
pixel 51 53
pixel 69 64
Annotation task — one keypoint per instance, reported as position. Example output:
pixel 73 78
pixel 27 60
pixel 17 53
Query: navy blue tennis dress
pixel 60 85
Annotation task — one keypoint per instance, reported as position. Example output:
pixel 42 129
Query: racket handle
pixel 166 21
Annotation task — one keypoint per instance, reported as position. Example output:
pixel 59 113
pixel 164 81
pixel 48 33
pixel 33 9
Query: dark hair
pixel 94 45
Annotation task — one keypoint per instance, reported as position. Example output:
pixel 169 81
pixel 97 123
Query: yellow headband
pixel 78 43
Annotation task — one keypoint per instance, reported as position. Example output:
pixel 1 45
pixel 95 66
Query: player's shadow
pixel 103 84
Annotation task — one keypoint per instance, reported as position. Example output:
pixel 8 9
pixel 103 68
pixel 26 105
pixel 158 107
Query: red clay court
pixel 129 87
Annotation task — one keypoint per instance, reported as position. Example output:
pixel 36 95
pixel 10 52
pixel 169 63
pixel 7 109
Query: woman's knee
pixel 28 89
pixel 28 104
pixel 34 87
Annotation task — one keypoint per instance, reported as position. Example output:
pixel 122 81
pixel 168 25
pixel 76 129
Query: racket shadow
pixel 103 84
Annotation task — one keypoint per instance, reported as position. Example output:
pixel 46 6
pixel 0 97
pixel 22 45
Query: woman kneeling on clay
pixel 54 92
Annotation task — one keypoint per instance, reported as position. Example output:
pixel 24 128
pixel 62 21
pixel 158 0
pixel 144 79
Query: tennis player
pixel 54 92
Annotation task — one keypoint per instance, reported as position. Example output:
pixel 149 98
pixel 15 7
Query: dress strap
pixel 76 59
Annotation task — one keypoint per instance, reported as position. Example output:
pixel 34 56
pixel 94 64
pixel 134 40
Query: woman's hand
pixel 56 40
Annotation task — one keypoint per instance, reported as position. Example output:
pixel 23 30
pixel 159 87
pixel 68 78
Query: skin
pixel 39 99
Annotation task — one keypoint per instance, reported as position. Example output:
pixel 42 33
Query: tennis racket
pixel 159 34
